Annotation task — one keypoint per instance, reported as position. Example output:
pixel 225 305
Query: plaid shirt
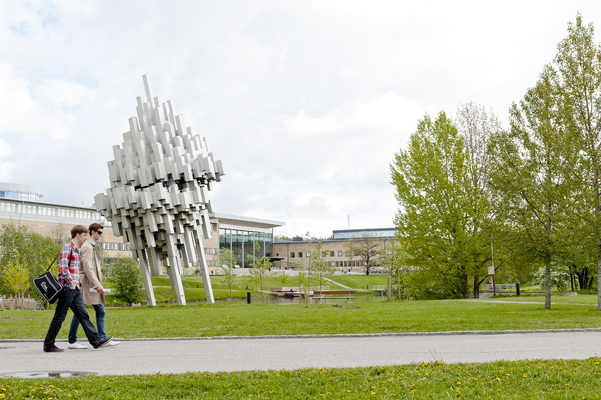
pixel 68 269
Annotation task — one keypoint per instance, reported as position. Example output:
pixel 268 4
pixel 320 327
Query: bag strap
pixel 56 258
pixel 53 261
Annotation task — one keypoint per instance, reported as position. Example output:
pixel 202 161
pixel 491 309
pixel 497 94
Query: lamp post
pixel 491 270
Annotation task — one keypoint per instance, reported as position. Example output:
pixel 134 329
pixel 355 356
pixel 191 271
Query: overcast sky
pixel 305 102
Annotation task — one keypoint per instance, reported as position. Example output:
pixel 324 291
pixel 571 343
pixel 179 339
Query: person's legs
pixel 64 302
pixel 99 309
pixel 79 309
pixel 73 330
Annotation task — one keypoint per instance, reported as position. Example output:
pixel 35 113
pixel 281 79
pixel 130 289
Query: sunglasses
pixel 99 232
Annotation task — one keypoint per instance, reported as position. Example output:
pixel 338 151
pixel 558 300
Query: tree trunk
pixel 598 234
pixel 476 287
pixel 547 284
pixel 572 280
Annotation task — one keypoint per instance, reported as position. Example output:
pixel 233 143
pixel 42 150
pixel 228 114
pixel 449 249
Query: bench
pixel 333 295
pixel 285 291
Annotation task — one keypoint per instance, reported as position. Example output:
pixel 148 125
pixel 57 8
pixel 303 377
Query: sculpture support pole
pixel 141 255
pixel 176 280
pixel 204 271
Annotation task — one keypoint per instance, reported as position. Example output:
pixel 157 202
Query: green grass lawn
pixel 360 282
pixel 549 379
pixel 556 298
pixel 203 320
pixel 555 379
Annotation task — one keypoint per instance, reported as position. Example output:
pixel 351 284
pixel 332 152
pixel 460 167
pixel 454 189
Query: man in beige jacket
pixel 91 286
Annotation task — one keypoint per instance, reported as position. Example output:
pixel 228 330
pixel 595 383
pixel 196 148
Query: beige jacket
pixel 90 272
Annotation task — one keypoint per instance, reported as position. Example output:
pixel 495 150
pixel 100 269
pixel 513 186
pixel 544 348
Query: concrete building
pixel 20 205
pixel 291 254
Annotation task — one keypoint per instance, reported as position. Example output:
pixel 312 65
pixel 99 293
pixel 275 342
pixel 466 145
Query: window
pixel 308 254
pixel 332 253
pixel 324 253
pixel 300 254
pixel 339 253
pixel 291 254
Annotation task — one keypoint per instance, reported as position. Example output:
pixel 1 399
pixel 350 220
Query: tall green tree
pixel 528 176
pixel 577 79
pixel 477 125
pixel 436 218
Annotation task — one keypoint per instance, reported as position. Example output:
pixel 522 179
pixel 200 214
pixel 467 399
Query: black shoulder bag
pixel 48 285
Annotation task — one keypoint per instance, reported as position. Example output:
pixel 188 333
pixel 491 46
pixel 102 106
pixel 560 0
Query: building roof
pixel 236 220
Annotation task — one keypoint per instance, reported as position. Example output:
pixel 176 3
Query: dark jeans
pixel 99 310
pixel 71 299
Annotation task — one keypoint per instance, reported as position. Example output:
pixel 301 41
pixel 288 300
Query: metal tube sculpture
pixel 157 199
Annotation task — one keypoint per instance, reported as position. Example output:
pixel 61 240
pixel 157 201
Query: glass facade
pixel 8 194
pixel 46 211
pixel 242 244
pixel 357 233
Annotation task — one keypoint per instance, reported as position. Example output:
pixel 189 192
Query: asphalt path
pixel 169 356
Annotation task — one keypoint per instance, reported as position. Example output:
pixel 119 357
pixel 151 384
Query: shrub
pixel 128 280
pixel 560 278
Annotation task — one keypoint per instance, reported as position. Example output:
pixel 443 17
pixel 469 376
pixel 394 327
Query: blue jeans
pixel 71 299
pixel 99 309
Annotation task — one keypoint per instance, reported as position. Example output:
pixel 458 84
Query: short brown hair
pixel 94 227
pixel 78 229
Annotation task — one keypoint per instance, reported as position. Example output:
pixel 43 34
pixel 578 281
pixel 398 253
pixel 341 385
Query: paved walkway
pixel 339 284
pixel 273 353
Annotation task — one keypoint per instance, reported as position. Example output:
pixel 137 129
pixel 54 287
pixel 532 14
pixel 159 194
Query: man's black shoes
pixel 53 349
pixel 102 342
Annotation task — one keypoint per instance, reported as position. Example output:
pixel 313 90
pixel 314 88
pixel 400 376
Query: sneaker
pixel 102 343
pixel 77 345
pixel 112 343
pixel 53 349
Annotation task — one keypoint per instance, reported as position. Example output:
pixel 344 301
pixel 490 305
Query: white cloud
pixel 305 102
pixel 5 165
pixel 61 93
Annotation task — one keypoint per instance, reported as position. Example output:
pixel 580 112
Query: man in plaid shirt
pixel 70 297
